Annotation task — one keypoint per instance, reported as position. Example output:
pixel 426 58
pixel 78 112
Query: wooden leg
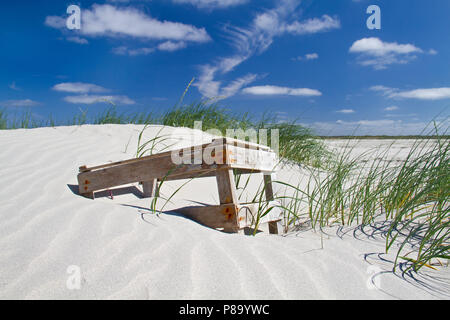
pixel 226 186
pixel 228 199
pixel 273 227
pixel 89 195
pixel 268 187
pixel 221 217
pixel 149 188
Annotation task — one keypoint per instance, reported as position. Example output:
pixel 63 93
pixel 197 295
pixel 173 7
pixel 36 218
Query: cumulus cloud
pixel 308 56
pixel 275 90
pixel 171 46
pixel 19 103
pixel 424 94
pixel 77 40
pixel 123 50
pixel 391 108
pixel 55 22
pixel 110 21
pixel 418 94
pixel 376 47
pixel 91 99
pixel 311 56
pixel 346 111
pixel 323 24
pixel 375 53
pixel 78 87
pixel 88 94
pixel 212 4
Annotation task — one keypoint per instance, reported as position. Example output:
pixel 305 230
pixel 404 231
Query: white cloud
pixel 77 40
pixel 378 54
pixel 55 22
pixel 418 94
pixel 257 38
pixel 424 94
pixel 140 51
pixel 275 90
pixel 376 47
pixel 122 50
pixel 404 116
pixel 85 97
pixel 392 108
pixel 323 24
pixel 311 56
pixel 19 103
pixel 78 87
pixel 212 4
pixel 91 99
pixel 308 56
pixel 132 52
pixel 164 46
pixel 238 84
pixel 171 46
pixel 380 88
pixel 206 84
pixel 109 21
pixel 346 111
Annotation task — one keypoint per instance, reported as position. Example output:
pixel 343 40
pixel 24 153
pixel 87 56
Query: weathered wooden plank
pixel 192 151
pixel 200 174
pixel 251 159
pixel 89 195
pixel 240 143
pixel 223 216
pixel 273 227
pixel 226 186
pixel 149 188
pixel 221 154
pixel 144 170
pixel 231 217
pixel 210 173
pixel 268 187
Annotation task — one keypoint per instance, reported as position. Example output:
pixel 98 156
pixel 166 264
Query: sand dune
pixel 123 251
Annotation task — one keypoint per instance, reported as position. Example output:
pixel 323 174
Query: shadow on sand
pixel 114 192
pixel 435 282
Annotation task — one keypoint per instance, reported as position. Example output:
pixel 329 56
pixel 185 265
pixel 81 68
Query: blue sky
pixel 315 61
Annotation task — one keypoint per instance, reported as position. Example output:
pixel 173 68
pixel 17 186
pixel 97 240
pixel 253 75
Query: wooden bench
pixel 219 158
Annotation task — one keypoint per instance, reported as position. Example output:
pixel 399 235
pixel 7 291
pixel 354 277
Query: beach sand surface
pixel 50 237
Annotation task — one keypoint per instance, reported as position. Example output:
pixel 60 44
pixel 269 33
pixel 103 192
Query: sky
pixel 312 61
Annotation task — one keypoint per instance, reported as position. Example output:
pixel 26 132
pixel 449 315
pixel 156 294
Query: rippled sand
pixel 125 252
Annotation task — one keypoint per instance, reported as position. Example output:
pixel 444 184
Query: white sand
pixel 124 252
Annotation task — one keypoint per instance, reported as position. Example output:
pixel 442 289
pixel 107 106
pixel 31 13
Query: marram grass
pixel 412 197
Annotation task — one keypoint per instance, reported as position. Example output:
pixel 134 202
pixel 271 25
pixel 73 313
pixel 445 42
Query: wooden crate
pixel 218 158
